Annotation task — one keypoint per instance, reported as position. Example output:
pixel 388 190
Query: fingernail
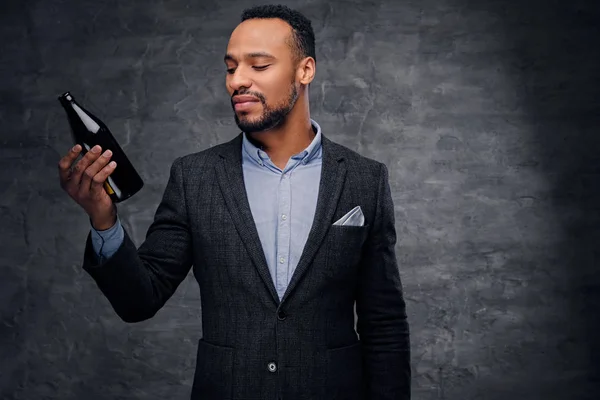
pixel 107 153
pixel 96 149
pixel 75 148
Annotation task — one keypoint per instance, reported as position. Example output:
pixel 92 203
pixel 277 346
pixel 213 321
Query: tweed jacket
pixel 339 332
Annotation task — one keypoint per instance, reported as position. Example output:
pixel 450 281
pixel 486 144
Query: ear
pixel 306 70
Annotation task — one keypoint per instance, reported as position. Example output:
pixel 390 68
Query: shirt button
pixel 281 260
pixel 272 366
pixel 284 217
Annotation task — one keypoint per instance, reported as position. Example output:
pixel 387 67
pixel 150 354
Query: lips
pixel 244 99
pixel 244 102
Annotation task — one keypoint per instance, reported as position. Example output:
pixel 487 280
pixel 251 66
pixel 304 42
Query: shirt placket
pixel 283 233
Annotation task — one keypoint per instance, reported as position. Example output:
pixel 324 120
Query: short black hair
pixel 303 37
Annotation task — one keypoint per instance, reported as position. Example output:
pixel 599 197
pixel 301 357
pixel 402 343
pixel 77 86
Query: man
pixel 284 229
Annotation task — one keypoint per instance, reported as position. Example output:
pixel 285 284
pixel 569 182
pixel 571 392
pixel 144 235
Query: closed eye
pixel 256 67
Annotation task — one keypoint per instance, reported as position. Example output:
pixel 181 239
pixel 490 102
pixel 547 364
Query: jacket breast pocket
pixel 344 250
pixel 345 378
pixel 214 372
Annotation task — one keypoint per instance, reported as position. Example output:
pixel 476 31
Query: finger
pixel 91 171
pixel 64 164
pixel 80 167
pixel 101 177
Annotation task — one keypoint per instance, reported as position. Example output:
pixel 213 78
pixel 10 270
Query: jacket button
pixel 272 366
pixel 281 315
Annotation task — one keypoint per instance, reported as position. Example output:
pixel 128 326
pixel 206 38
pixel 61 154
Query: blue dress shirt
pixel 283 204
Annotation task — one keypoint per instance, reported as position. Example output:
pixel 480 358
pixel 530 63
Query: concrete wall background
pixel 486 114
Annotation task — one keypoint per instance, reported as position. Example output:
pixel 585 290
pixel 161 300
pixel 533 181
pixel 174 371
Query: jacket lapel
pixel 333 173
pixel 231 180
pixel 230 176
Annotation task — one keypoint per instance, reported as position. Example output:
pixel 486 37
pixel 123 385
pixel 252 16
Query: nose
pixel 238 79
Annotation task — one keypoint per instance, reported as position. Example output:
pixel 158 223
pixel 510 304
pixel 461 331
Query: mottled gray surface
pixel 486 113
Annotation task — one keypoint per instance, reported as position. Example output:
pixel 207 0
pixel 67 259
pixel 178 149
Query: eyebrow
pixel 257 54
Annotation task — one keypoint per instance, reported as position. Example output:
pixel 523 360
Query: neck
pixel 289 138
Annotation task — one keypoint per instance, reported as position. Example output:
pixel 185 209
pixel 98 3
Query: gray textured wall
pixel 486 113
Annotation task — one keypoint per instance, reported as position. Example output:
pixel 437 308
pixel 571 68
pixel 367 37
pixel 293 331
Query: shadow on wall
pixel 556 48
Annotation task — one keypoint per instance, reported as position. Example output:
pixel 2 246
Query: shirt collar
pixel 311 152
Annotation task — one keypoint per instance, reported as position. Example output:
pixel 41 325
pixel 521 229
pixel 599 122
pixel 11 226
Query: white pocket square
pixel 354 217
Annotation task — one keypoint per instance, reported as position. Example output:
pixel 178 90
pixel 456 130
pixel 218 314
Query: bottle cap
pixel 66 95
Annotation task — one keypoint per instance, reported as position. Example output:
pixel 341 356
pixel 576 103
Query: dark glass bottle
pixel 88 130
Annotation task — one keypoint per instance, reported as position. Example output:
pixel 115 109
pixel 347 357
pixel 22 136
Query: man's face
pixel 260 68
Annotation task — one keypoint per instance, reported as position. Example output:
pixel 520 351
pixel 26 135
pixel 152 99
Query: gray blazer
pixel 255 346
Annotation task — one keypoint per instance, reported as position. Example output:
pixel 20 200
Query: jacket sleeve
pixel 138 282
pixel 380 307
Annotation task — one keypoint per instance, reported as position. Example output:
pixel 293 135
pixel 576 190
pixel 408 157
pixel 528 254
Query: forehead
pixel 260 35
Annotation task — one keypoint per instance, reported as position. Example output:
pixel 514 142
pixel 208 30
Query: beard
pixel 271 117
